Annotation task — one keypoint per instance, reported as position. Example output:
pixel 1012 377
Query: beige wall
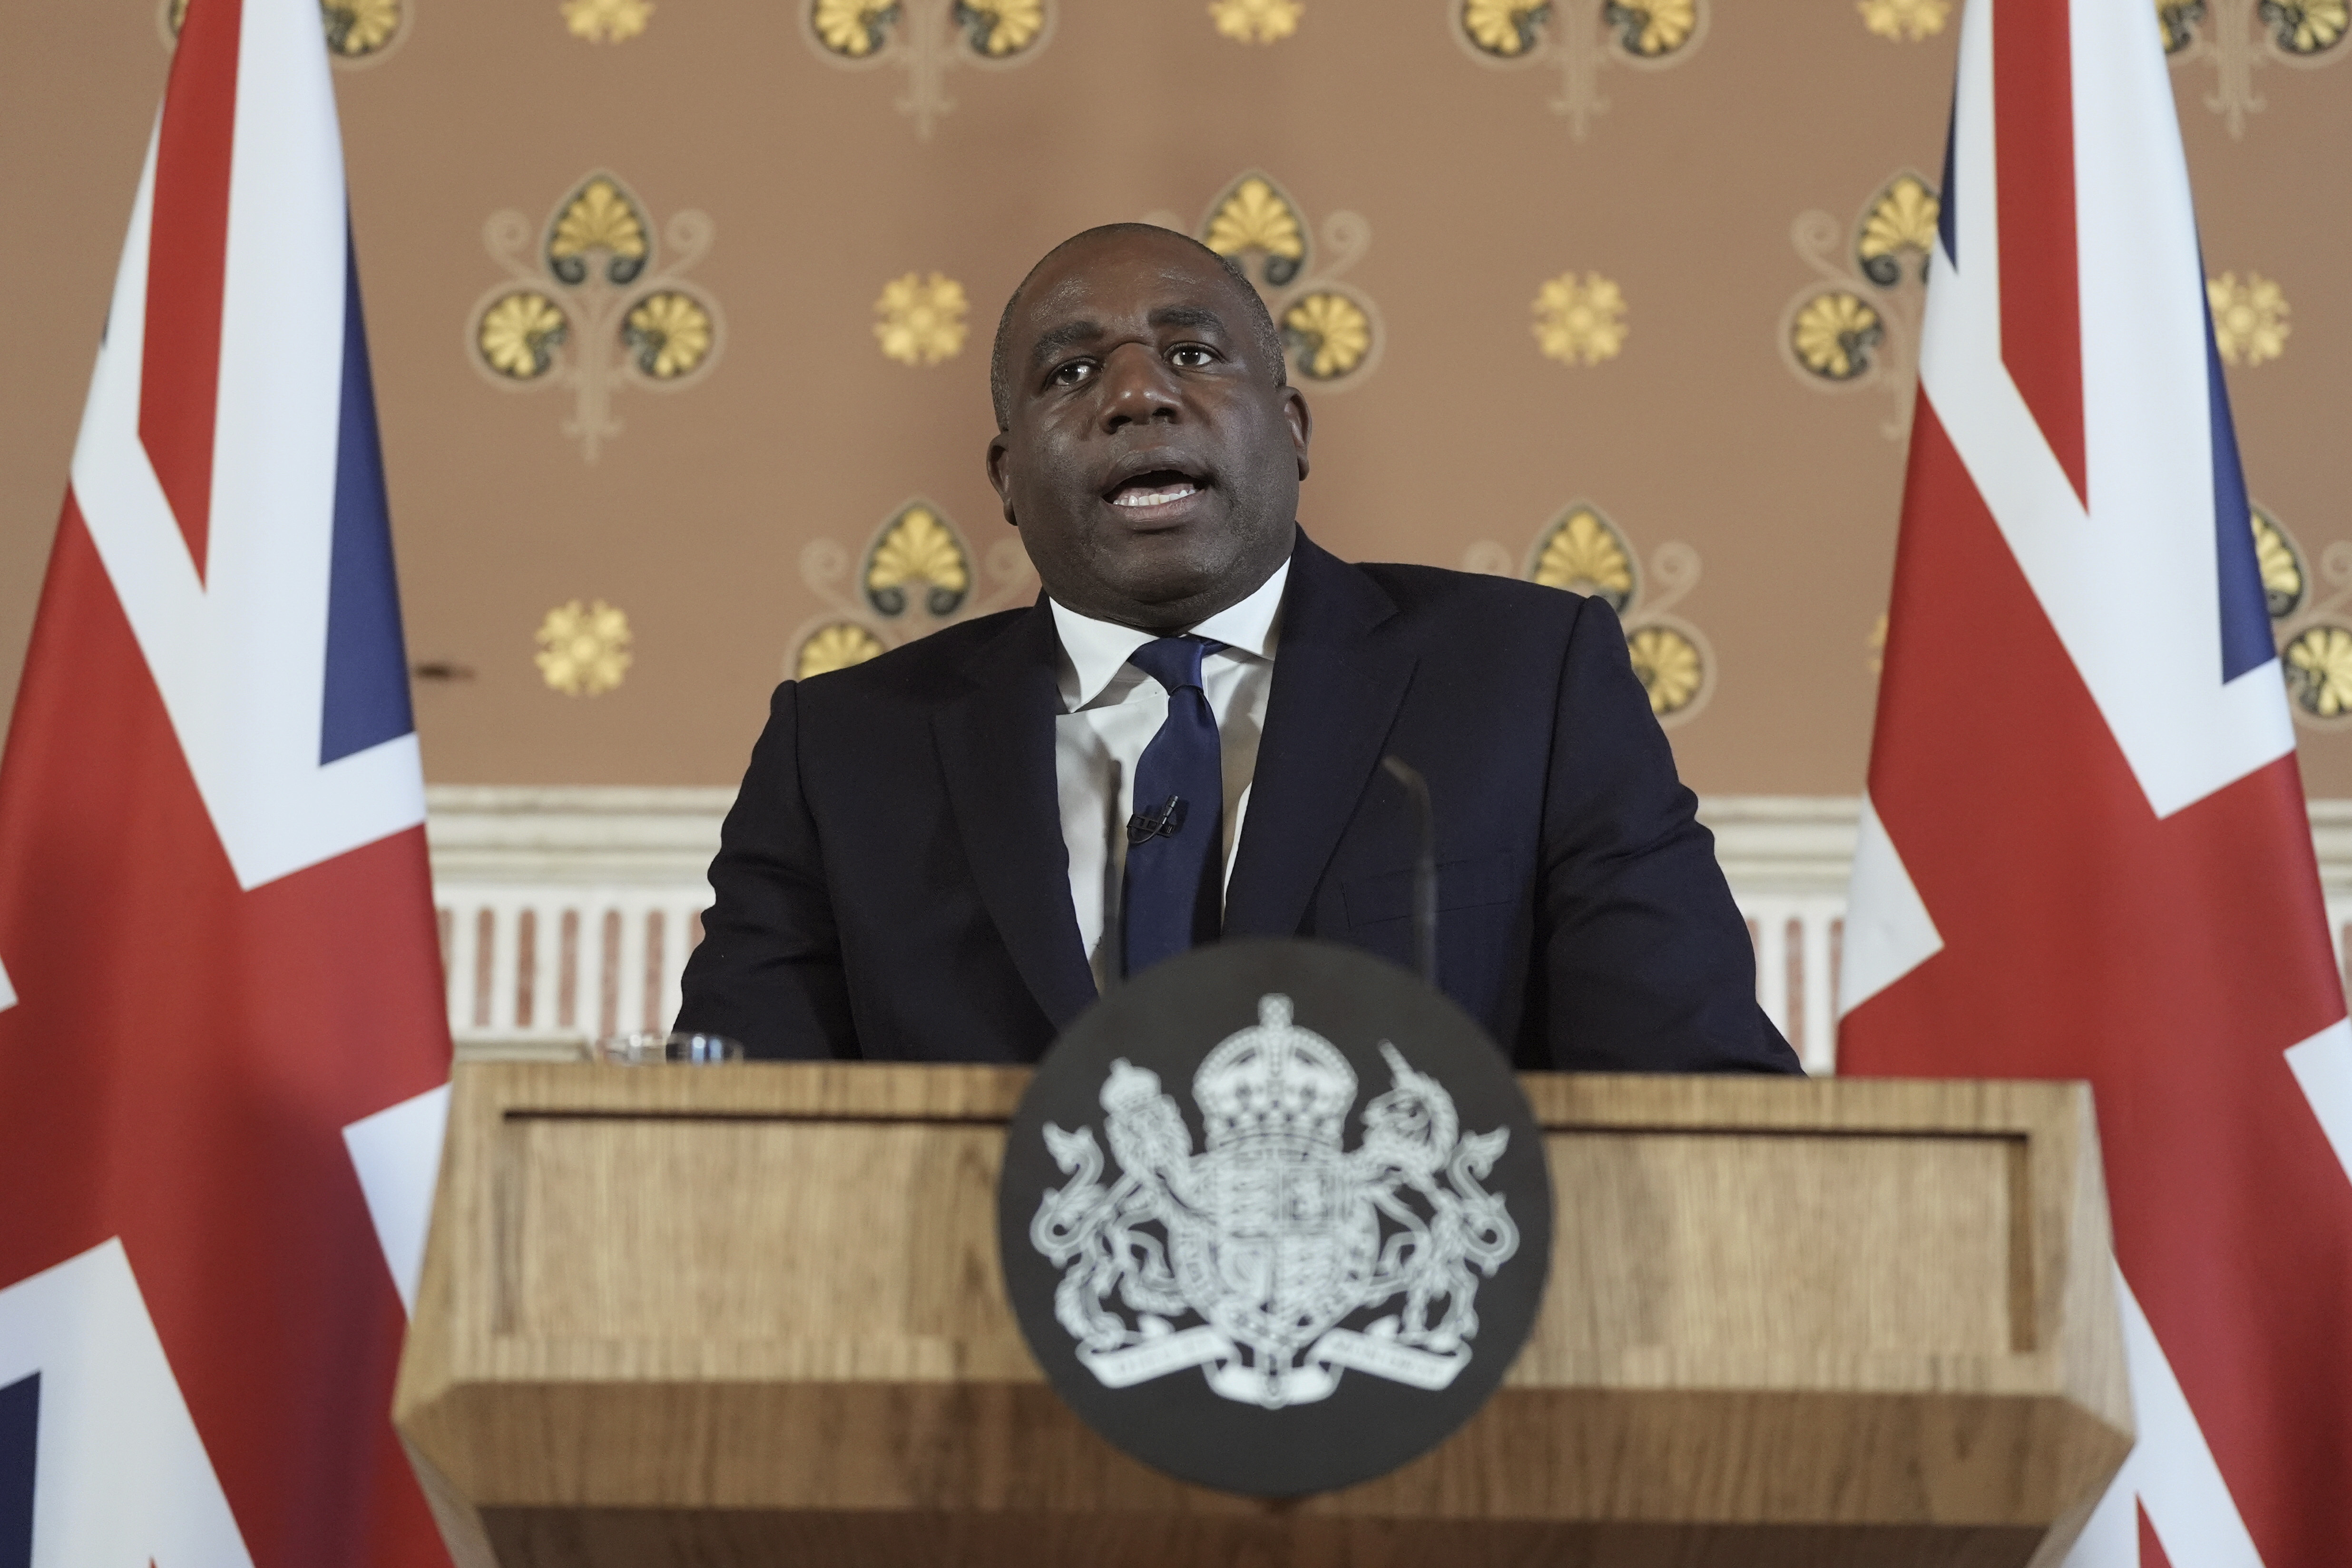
pixel 695 517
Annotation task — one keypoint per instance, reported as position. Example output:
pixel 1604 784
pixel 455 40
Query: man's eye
pixel 1190 356
pixel 1072 374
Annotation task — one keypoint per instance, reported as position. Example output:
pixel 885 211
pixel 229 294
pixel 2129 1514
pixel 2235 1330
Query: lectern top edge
pixel 1563 1103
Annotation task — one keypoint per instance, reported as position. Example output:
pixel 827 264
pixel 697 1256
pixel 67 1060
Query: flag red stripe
pixel 2170 962
pixel 2151 1549
pixel 178 1070
pixel 188 255
pixel 2033 153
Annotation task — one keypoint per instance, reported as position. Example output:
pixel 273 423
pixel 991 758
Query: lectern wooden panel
pixel 744 1316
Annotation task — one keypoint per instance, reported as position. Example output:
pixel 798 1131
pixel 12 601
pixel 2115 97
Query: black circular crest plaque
pixel 1275 1217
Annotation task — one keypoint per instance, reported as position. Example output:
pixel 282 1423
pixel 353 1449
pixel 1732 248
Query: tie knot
pixel 1174 662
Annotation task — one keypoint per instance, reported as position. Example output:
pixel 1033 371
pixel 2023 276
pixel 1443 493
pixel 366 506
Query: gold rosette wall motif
pixel 2250 318
pixel 1906 21
pixel 919 320
pixel 1579 320
pixel 1331 332
pixel 584 649
pixel 917 574
pixel 1580 551
pixel 606 21
pixel 594 303
pixel 927 39
pixel 1255 21
pixel 1858 325
pixel 1579 37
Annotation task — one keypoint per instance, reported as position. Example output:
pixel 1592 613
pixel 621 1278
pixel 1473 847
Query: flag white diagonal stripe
pixel 2322 1070
pixel 240 655
pixel 2083 770
pixel 122 1476
pixel 1891 933
pixel 398 1154
pixel 2142 552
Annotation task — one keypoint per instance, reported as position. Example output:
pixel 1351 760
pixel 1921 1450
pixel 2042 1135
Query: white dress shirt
pixel 1110 711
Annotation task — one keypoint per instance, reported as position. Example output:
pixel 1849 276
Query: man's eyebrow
pixel 1186 316
pixel 1053 339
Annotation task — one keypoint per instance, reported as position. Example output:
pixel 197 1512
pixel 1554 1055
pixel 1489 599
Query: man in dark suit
pixel 944 853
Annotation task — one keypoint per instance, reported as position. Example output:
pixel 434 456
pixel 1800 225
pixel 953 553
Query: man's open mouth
pixel 1157 487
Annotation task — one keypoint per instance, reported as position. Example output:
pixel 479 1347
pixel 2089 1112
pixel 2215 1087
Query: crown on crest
pixel 1274 1082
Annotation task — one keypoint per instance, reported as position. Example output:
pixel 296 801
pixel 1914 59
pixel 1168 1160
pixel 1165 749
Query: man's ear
pixel 999 454
pixel 1302 424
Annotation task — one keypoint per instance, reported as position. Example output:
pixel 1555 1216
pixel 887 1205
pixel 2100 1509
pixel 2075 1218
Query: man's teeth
pixel 1160 496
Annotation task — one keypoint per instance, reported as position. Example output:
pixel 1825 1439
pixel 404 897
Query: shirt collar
pixel 1094 652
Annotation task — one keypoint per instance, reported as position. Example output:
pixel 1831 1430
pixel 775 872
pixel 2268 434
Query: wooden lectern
pixel 751 1315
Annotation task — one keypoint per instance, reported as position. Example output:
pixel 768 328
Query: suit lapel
pixel 1336 693
pixel 996 749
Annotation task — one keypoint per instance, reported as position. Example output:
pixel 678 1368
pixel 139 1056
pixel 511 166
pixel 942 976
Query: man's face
pixel 1152 465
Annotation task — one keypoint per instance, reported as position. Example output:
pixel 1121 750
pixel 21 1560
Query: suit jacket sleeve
pixel 768 970
pixel 1646 961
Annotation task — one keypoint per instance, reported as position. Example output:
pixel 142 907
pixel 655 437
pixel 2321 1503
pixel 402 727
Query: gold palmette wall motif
pixel 1859 325
pixel 2238 37
pixel 917 575
pixel 917 550
pixel 593 306
pixel 1331 332
pixel 2313 637
pixel 1579 36
pixel 835 645
pixel 2286 584
pixel 1580 551
pixel 359 32
pixel 928 38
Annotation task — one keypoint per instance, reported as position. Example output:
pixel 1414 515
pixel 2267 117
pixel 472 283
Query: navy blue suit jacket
pixel 892 883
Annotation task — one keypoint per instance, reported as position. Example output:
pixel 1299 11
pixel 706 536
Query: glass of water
pixel 682 1046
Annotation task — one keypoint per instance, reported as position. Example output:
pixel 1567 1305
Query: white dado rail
pixel 567 913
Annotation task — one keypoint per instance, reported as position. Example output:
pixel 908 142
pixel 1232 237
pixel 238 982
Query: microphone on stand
pixel 1424 867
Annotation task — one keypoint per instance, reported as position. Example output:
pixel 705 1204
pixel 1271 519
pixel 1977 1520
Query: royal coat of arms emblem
pixel 1274 1235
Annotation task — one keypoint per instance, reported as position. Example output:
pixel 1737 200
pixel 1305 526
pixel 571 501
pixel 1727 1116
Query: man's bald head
pixel 1258 321
pixel 1150 448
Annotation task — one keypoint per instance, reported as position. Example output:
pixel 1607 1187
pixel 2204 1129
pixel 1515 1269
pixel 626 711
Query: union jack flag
pixel 2084 852
pixel 223 1053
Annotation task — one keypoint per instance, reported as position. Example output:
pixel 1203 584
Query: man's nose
pixel 1138 387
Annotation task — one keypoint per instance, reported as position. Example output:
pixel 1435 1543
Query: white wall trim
pixel 1784 843
pixel 568 907
pixel 572 833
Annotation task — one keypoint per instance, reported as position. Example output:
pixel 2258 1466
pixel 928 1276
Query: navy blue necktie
pixel 1175 840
